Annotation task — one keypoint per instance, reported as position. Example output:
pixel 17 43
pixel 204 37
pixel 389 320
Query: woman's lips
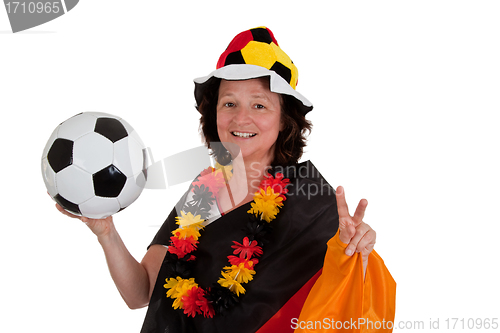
pixel 243 134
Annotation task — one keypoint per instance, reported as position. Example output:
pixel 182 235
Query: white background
pixel 406 98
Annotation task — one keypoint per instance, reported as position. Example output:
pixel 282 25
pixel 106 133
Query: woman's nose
pixel 242 115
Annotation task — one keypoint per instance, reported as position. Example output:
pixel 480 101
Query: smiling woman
pixel 249 115
pixel 293 125
pixel 317 262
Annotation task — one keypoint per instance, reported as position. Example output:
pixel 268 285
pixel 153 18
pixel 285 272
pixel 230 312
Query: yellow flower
pixel 186 232
pixel 170 285
pixel 266 204
pixel 189 220
pixel 240 273
pixel 177 288
pixel 228 282
pixel 227 170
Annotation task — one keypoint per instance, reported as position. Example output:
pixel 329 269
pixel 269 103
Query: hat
pixel 252 54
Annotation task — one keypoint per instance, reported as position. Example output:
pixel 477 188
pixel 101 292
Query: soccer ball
pixel 94 164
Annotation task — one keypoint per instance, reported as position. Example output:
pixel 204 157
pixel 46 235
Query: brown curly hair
pixel 289 144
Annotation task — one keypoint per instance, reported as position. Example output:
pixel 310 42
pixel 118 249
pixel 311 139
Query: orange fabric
pixel 340 300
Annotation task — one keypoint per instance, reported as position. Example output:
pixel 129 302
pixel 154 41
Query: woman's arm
pixel 135 281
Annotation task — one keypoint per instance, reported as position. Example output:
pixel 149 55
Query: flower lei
pixel 224 294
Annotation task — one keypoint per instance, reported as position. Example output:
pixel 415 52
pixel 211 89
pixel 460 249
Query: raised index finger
pixel 341 203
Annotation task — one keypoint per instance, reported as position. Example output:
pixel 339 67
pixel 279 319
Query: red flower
pixel 278 184
pixel 194 302
pixel 211 178
pixel 189 301
pixel 247 249
pixel 205 306
pixel 181 247
pixel 249 263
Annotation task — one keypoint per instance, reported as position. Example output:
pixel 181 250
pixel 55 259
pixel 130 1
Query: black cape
pixel 293 254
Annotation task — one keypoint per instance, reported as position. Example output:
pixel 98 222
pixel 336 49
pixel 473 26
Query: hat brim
pixel 246 72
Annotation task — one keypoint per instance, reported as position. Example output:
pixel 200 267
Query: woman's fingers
pixel 363 240
pixel 62 210
pixel 358 236
pixel 360 211
pixel 65 212
pixel 347 232
pixel 365 250
pixel 99 227
pixel 342 208
pixel 352 247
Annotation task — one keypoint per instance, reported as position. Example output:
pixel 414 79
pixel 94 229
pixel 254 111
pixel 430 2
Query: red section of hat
pixel 272 36
pixel 238 42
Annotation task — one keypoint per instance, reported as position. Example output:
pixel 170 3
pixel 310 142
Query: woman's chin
pixel 233 148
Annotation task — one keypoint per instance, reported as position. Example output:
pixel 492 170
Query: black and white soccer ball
pixel 94 165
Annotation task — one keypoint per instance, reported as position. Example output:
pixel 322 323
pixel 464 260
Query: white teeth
pixel 244 135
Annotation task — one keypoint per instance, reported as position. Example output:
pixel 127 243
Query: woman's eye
pixel 228 104
pixel 259 106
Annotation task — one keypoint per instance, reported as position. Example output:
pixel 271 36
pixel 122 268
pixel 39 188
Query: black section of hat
pixel 282 71
pixel 261 35
pixel 234 58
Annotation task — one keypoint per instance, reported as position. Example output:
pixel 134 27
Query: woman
pixel 250 102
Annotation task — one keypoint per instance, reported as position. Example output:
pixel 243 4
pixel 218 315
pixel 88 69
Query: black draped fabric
pixel 294 253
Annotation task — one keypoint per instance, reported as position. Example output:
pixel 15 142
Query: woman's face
pixel 249 115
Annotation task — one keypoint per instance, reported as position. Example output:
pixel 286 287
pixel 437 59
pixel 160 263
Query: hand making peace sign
pixel 359 236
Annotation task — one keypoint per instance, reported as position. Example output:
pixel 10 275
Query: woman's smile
pixel 249 114
pixel 243 134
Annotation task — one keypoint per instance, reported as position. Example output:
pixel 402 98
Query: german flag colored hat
pixel 252 54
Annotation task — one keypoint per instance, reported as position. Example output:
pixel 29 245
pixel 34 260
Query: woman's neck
pixel 246 178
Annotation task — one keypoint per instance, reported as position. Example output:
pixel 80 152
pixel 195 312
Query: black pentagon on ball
pixel 109 182
pixel 60 154
pixel 68 205
pixel 110 128
pixel 282 71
